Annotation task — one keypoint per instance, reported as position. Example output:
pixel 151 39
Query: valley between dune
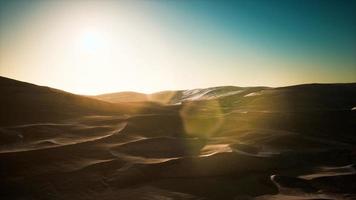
pixel 258 143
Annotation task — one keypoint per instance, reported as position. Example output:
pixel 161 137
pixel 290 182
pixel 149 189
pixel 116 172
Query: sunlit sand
pixel 217 142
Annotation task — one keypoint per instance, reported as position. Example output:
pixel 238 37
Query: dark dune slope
pixel 228 143
pixel 22 102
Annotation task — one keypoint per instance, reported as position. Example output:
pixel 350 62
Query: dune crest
pixel 260 143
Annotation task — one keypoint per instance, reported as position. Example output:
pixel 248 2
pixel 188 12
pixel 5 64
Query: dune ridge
pixel 295 142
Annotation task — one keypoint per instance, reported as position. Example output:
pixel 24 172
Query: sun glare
pixel 91 42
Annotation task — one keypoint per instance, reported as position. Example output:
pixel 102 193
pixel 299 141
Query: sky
pixel 94 47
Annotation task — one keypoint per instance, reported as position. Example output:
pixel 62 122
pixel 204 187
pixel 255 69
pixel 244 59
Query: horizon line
pixel 168 90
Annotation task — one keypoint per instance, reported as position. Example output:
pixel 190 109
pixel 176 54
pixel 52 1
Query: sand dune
pixel 293 142
pixel 37 136
pixel 179 96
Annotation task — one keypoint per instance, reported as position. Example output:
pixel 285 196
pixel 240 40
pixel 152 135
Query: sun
pixel 91 42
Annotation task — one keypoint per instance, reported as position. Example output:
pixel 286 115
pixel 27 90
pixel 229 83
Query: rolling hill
pixel 24 102
pixel 255 143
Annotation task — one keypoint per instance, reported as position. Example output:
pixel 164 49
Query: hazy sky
pixel 92 47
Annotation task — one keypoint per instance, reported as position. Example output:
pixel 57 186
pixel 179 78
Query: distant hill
pixel 25 102
pixel 307 96
pixel 122 97
pixel 177 96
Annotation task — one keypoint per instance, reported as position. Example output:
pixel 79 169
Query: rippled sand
pixel 228 149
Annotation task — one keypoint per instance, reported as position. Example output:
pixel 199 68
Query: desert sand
pixel 295 142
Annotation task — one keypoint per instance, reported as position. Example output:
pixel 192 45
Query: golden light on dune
pixel 174 99
pixel 202 118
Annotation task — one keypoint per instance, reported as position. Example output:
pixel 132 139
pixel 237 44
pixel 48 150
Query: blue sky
pixel 296 28
pixel 177 44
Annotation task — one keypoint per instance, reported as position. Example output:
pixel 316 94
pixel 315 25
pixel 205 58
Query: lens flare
pixel 201 118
